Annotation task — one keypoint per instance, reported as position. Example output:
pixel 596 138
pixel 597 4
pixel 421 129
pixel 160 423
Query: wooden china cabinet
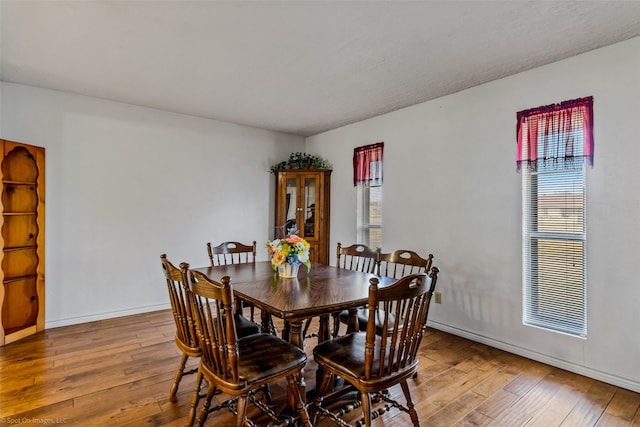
pixel 22 240
pixel 302 203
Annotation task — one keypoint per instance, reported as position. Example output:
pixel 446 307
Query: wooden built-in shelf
pixel 22 241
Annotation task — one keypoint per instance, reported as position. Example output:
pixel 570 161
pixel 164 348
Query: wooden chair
pixel 396 264
pixel 231 253
pixel 403 262
pixel 356 257
pixel 238 366
pixel 371 361
pixel 235 253
pixel 185 338
pixel 185 331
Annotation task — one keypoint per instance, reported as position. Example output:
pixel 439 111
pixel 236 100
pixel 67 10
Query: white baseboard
pixel 103 316
pixel 549 360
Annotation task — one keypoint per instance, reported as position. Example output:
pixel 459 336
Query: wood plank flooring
pixel 118 372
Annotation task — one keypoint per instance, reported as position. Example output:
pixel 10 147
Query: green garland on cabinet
pixel 300 160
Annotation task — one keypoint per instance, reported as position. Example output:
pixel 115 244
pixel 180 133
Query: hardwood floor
pixel 118 372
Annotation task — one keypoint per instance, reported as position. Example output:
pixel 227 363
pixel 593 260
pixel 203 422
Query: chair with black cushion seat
pixel 395 264
pixel 403 262
pixel 185 338
pixel 231 253
pixel 356 257
pixel 185 331
pixel 371 361
pixel 238 366
pixel 237 253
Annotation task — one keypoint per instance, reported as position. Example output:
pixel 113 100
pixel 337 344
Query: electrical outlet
pixel 438 298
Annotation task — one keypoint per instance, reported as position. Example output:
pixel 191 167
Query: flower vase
pixel 286 270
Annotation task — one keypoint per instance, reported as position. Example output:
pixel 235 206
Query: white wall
pixel 125 184
pixel 451 189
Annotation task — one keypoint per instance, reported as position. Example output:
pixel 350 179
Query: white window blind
pixel 554 232
pixel 554 250
pixel 369 211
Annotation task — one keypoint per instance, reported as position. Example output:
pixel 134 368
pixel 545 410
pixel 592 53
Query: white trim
pixel 549 360
pixel 103 316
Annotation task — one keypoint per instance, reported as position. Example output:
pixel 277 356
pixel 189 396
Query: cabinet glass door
pixel 291 206
pixel 310 201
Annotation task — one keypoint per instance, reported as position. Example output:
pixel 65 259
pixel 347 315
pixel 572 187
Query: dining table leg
pixel 265 322
pixel 296 338
pixel 324 332
pixel 323 335
pixel 353 326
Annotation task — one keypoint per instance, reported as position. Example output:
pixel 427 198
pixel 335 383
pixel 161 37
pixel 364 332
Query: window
pixel 553 143
pixel 367 178
pixel 369 215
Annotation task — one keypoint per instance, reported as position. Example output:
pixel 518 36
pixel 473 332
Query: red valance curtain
pixel 367 164
pixel 552 134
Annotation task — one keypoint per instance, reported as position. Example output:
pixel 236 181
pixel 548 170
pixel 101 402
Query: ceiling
pixel 300 67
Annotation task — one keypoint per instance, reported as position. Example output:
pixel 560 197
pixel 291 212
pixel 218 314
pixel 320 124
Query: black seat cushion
pixel 264 355
pixel 363 319
pixel 245 327
pixel 346 354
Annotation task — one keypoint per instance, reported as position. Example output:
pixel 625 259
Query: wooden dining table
pixel 321 291
pixel 317 293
